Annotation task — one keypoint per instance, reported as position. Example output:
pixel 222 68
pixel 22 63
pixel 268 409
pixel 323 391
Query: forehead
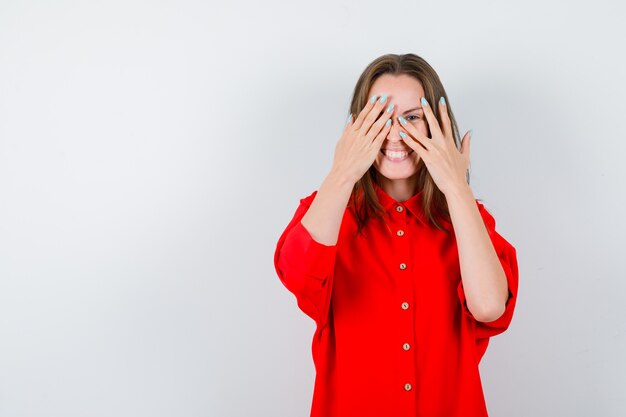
pixel 401 88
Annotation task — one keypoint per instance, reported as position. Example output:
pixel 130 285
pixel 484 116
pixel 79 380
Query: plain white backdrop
pixel 151 153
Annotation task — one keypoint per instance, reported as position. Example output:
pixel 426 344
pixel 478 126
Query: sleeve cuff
pixel 508 259
pixel 313 258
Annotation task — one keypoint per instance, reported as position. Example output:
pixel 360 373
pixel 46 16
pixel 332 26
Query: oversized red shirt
pixel 394 336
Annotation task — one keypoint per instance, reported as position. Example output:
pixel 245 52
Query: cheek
pixel 422 126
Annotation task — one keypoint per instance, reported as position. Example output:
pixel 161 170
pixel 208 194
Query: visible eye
pixel 409 117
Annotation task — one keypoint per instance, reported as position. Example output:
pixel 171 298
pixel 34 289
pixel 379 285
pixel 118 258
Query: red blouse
pixel 394 336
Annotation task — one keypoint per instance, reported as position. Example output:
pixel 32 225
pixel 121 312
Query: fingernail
pixel 402 120
pixel 383 98
pixel 373 99
pixel 442 100
pixel 349 118
pixel 471 133
pixel 390 108
pixel 388 122
pixel 424 102
pixel 403 135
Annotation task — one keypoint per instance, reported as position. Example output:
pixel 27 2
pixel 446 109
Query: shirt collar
pixel 413 204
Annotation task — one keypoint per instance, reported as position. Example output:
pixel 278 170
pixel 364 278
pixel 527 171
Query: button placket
pixel 406 294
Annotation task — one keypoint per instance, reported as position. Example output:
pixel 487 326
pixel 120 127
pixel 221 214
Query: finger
pixel 433 124
pixel 445 119
pixel 415 145
pixel 372 105
pixel 364 111
pixel 379 124
pixel 380 138
pixel 373 113
pixel 415 133
pixel 349 122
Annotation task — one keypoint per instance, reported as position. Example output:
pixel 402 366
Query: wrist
pixel 461 191
pixel 340 179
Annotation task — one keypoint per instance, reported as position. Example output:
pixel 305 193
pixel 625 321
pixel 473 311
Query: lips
pixel 409 151
pixel 396 156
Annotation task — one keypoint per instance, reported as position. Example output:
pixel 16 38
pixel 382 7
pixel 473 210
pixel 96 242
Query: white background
pixel 152 152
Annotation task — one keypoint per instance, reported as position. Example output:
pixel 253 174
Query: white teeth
pixel 396 155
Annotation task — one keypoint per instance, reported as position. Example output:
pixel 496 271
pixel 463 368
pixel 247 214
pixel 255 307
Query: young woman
pixel 396 261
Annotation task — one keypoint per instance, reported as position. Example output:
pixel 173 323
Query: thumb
pixel 465 143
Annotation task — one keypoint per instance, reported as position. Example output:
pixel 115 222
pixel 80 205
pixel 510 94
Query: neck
pixel 400 189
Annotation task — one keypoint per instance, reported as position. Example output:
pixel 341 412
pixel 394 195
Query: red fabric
pixel 355 291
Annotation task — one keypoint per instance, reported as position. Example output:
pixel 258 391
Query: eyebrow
pixel 413 109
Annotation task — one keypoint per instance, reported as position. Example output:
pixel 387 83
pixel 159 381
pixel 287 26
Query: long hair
pixel 363 197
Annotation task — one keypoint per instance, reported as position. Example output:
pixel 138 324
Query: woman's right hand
pixel 361 140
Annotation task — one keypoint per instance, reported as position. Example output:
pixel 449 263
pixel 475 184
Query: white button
pixel 406 346
pixel 405 306
pixel 399 209
pixel 402 266
pixel 400 232
pixel 407 387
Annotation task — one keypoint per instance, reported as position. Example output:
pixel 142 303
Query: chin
pixel 396 171
pixel 397 175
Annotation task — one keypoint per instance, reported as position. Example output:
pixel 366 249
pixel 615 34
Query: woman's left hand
pixel 446 165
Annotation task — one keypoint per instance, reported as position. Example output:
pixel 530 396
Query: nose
pixel 394 133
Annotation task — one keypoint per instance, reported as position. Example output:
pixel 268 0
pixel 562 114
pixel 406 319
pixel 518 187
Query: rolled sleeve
pixel 310 257
pixel 508 259
pixel 306 266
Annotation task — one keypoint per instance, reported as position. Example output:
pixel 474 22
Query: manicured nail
pixel 402 120
pixel 471 133
pixel 383 98
pixel 442 100
pixel 390 108
pixel 424 102
pixel 373 99
pixel 403 135
pixel 349 118
pixel 388 122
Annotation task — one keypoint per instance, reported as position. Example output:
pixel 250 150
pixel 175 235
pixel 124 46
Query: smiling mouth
pixel 396 156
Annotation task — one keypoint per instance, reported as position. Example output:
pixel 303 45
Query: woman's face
pixel 405 92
